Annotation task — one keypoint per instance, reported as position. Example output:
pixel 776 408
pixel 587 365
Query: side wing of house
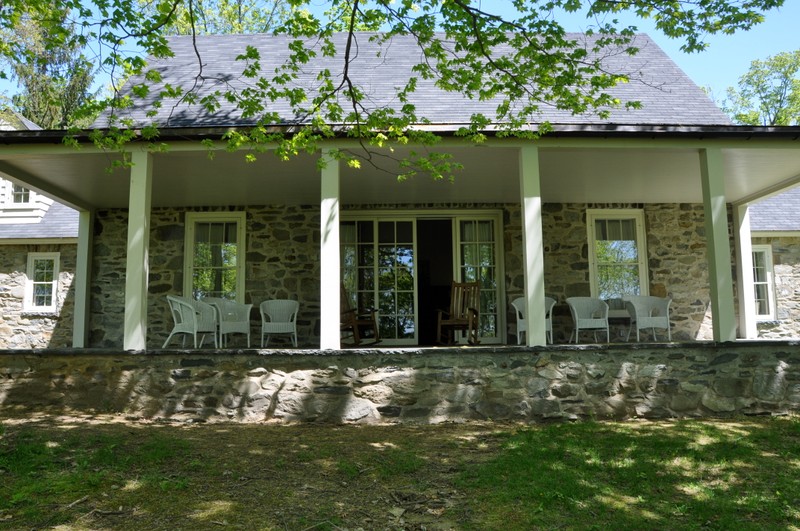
pixel 775 226
pixel 37 264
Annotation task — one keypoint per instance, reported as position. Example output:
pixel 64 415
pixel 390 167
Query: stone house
pixel 38 239
pixel 775 225
pixel 670 183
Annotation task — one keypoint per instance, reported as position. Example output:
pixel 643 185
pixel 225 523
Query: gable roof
pixel 667 94
pixel 11 120
pixel 778 213
pixel 59 221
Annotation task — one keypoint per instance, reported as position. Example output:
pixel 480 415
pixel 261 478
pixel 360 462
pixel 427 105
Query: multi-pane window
pixel 378 271
pixel 20 195
pixel 215 255
pixel 478 263
pixel 42 283
pixel 617 253
pixel 762 282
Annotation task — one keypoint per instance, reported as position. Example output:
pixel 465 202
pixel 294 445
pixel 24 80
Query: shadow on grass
pixel 735 474
pixel 682 475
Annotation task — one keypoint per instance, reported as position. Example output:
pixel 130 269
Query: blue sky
pixel 728 56
pixel 719 67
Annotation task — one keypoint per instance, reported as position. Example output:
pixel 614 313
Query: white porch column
pixel 136 268
pixel 533 247
pixel 80 323
pixel 719 249
pixel 744 273
pixel 329 288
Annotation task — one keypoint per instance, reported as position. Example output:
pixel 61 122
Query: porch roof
pixel 578 163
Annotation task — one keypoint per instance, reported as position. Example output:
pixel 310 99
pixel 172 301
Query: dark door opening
pixel 435 259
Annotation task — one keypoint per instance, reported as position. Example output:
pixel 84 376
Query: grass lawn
pixel 105 473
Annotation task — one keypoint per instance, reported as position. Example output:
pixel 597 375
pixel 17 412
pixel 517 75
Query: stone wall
pixel 676 248
pixel 410 385
pixel 283 261
pixel 23 329
pixel 786 270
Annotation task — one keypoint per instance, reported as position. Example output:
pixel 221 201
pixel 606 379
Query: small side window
pixel 763 284
pixel 41 288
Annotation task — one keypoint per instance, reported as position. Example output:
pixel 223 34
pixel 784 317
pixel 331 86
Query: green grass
pixel 735 474
pixel 684 475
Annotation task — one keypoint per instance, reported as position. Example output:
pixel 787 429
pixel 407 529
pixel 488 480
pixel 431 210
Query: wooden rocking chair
pixel 358 324
pixel 463 314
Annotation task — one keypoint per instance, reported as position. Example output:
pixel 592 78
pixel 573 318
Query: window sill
pixel 34 312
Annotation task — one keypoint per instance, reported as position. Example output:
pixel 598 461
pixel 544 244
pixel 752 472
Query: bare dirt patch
pixel 247 476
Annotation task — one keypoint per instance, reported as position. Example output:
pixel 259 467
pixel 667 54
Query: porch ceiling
pixel 628 174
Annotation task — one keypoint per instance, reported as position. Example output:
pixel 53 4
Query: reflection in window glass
pixel 478 248
pixel 616 257
pixel 215 260
pixel 42 281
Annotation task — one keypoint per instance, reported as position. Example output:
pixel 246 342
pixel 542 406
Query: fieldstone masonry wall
pixel 24 329
pixel 786 270
pixel 413 386
pixel 283 261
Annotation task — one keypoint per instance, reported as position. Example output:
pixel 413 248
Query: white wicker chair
pixel 279 316
pixel 589 313
pixel 192 318
pixel 648 312
pixel 232 318
pixel 522 321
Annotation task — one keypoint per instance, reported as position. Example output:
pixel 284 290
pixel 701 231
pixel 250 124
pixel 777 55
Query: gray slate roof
pixel 779 213
pixel 669 97
pixel 60 221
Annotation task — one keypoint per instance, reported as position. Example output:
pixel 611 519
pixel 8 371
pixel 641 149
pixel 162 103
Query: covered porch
pixel 536 194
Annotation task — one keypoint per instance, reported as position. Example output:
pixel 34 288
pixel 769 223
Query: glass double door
pixel 403 267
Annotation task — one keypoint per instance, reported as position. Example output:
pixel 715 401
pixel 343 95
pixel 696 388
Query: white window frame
pixel 455 216
pixel 29 302
pixel 192 218
pixel 635 214
pixel 770 282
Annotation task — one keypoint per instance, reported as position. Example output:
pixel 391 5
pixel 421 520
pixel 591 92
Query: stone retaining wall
pixel 417 386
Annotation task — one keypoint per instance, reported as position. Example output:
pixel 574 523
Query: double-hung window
pixel 215 255
pixel 763 288
pixel 617 253
pixel 41 288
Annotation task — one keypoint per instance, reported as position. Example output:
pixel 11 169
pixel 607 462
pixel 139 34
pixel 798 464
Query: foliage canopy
pixel 768 93
pixel 516 51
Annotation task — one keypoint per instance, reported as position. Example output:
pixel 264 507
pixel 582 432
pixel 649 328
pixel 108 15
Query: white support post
pixel 533 247
pixel 80 320
pixel 137 269
pixel 744 273
pixel 330 275
pixel 719 248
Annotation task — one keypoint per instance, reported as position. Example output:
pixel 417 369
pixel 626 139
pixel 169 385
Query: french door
pixel 381 268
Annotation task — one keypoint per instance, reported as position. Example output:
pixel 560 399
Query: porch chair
pixel 232 318
pixel 279 316
pixel 648 312
pixel 522 322
pixel 588 313
pixel 192 317
pixel 462 315
pixel 358 323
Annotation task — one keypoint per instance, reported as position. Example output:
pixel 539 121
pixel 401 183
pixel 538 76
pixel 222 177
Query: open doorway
pixel 435 261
